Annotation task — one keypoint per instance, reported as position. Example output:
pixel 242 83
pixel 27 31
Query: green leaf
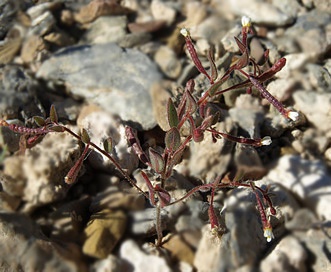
pixel 40 121
pixel 162 195
pixel 213 68
pixel 156 160
pixel 191 104
pixel 108 145
pixel 85 136
pixel 57 128
pixel 172 139
pixel 53 114
pixel 172 114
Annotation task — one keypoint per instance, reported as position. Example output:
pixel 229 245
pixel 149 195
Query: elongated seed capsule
pixel 255 142
pixel 214 224
pixel 267 228
pixel 272 100
pixel 72 175
pixel 293 115
pixel 24 130
pixel 193 53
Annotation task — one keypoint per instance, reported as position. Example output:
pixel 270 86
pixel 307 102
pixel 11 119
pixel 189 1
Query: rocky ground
pixel 105 63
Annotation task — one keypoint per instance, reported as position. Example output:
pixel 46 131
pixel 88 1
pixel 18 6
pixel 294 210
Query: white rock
pixel 259 11
pixel 308 180
pixel 293 62
pixel 288 255
pixel 166 59
pixel 140 260
pixel 102 125
pixel 44 167
pixel 316 107
pixel 161 11
pixel 207 256
pixel 106 29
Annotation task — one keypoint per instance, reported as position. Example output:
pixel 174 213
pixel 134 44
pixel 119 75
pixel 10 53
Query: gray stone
pixel 324 5
pixel 288 7
pixel 161 11
pixel 105 29
pixel 319 77
pixel 143 222
pixel 248 114
pixel 209 160
pixel 316 107
pixel 259 11
pixel 18 94
pixel 243 241
pixel 310 31
pixel 207 256
pixel 118 80
pixel 307 180
pixel 168 62
pixel 34 251
pixel 10 139
pixel 288 255
pixel 318 246
pixel 196 217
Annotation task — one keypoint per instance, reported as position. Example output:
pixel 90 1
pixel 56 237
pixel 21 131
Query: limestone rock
pixel 118 80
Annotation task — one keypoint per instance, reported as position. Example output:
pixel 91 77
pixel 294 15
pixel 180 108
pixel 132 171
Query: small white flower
pixel 266 140
pixel 184 31
pixel 268 234
pixel 246 21
pixel 293 115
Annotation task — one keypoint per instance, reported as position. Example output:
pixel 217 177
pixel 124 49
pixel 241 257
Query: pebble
pixel 280 260
pixel 179 249
pixel 160 95
pixel 161 11
pixel 260 12
pixel 318 246
pixel 105 29
pixel 36 252
pixel 9 138
pixel 327 154
pixel 281 88
pixel 294 63
pixel 207 256
pixel 319 77
pixel 168 62
pixel 209 160
pixel 102 125
pixel 103 232
pixel 310 31
pixel 140 261
pixel 308 174
pixel 143 222
pixel 18 94
pixel 123 90
pixel 109 264
pixel 114 198
pixel 67 222
pixel 96 8
pixel 316 107
pixel 243 239
pixel 8 203
pixel 53 156
pixel 248 114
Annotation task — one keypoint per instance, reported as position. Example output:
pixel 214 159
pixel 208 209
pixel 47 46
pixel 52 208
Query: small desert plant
pixel 191 110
